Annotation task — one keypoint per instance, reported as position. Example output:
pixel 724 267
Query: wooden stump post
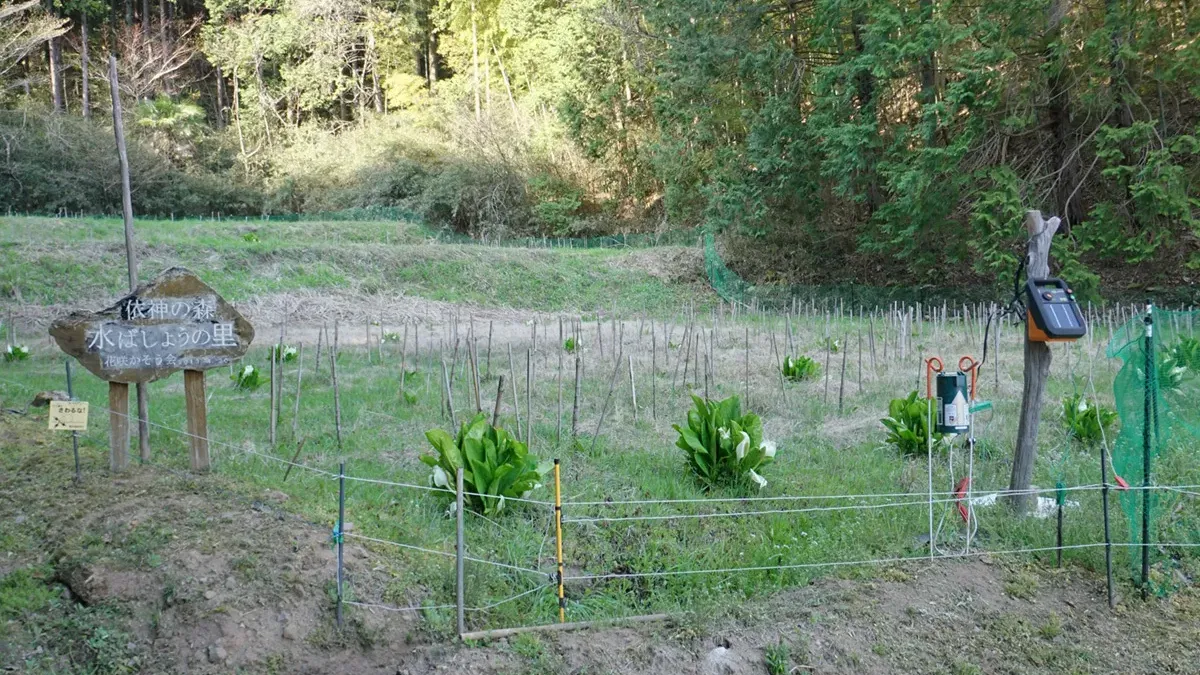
pixel 197 419
pixel 118 425
pixel 1037 368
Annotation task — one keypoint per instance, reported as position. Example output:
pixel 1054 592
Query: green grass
pixel 77 261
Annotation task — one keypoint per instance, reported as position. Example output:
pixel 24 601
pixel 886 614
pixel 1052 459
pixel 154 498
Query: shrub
pixel 495 465
pixel 248 378
pixel 1088 423
pixel 570 345
pixel 722 444
pixel 16 353
pixel 799 368
pixel 283 353
pixel 907 425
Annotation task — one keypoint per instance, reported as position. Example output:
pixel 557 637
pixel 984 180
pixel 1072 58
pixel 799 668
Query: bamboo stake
pixel 529 398
pixel 633 389
pixel 499 402
pixel 512 374
pixel 575 405
pixel 449 395
pixel 299 378
pixel 653 372
pixel 842 384
pixel 612 383
pixel 274 410
pixel 337 400
pixel 475 378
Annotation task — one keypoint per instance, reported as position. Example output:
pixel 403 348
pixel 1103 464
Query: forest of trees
pixel 902 136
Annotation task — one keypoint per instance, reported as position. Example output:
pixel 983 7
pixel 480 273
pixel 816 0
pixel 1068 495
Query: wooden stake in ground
pixel 512 374
pixel 118 426
pixel 449 395
pixel 633 389
pixel 653 372
pixel 1037 367
pixel 529 398
pixel 197 419
pixel 499 402
pixel 337 400
pixel 612 383
pixel 575 405
pixel 273 383
pixel 475 378
pixel 320 335
pixel 842 382
pixel 746 371
pixel 299 378
pixel 143 396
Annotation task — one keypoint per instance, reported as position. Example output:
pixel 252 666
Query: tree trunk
pixel 864 82
pixel 221 96
pixel 1058 110
pixel 146 18
pixel 57 90
pixel 1037 368
pixel 475 59
pixel 928 59
pixel 83 66
pixel 431 69
pixel 128 12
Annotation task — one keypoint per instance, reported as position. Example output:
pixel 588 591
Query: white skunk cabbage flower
pixel 525 494
pixel 762 482
pixel 740 451
pixel 1082 407
pixel 768 448
pixel 723 432
pixel 439 478
pixel 247 370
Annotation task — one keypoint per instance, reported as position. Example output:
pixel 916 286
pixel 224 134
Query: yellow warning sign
pixel 68 415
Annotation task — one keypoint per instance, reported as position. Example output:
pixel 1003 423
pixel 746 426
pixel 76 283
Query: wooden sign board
pixel 68 415
pixel 174 322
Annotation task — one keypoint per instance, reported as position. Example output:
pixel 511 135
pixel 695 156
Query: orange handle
pixel 970 367
pixel 930 369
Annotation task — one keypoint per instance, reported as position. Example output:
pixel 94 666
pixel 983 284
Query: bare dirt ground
pixel 204 575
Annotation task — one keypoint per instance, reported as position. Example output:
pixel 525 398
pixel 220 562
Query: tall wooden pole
pixel 143 396
pixel 1037 367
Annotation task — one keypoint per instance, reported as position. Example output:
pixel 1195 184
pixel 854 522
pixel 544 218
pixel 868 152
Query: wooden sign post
pixel 174 322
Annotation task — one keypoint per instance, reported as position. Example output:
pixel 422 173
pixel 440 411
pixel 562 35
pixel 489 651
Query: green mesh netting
pixel 1160 418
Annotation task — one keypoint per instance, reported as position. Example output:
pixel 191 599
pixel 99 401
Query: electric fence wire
pixel 425 608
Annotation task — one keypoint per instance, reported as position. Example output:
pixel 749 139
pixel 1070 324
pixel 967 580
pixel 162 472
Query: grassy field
pixel 51 261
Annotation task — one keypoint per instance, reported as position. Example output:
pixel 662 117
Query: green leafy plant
pixel 250 237
pixel 570 345
pixel 778 657
pixel 283 353
pixel 16 353
pixel 800 368
pixel 248 378
pixel 833 345
pixel 1186 353
pixel 1089 422
pixel 390 337
pixel 495 465
pixel 907 425
pixel 722 444
pixel 1171 373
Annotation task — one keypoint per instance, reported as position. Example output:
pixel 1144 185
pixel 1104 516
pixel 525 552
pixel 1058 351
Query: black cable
pixel 1014 306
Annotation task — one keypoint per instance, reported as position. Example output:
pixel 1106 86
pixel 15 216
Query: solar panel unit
pixel 1053 314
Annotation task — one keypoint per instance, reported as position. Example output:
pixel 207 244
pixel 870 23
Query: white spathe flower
pixel 1082 407
pixel 247 370
pixel 723 433
pixel 740 451
pixel 440 479
pixel 500 506
pixel 768 448
pixel 762 482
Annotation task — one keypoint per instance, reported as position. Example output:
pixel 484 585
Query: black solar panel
pixel 1053 307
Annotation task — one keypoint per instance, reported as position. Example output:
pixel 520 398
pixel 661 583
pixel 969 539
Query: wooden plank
pixel 197 419
pixel 118 424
